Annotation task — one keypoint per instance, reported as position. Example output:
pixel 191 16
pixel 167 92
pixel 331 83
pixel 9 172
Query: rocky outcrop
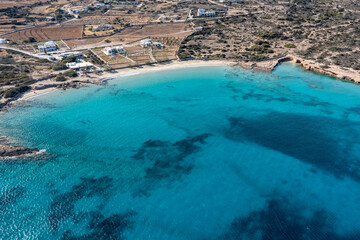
pixel 319 70
pixel 8 152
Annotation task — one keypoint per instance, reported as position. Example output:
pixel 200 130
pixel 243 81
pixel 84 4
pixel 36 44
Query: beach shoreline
pixel 49 86
pixel 42 88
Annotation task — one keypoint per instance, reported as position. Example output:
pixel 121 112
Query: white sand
pixel 123 73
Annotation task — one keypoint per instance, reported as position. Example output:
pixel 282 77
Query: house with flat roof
pixel 204 13
pixel 80 66
pixel 99 5
pixel 146 42
pixel 113 50
pixel 49 19
pixel 48 47
pixel 157 44
pixel 103 27
pixel 3 41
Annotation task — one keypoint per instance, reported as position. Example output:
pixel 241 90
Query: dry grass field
pixel 140 59
pixel 84 43
pixel 19 3
pixel 99 53
pixel 160 30
pixel 94 20
pixel 120 61
pixel 166 54
pixel 46 33
pixel 89 31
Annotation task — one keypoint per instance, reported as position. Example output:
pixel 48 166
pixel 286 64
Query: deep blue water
pixel 197 153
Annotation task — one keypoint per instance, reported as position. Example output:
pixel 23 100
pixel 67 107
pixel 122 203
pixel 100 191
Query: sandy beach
pixel 97 79
pixel 48 86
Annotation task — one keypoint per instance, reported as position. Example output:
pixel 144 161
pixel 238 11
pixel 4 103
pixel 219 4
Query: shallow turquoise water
pixel 197 153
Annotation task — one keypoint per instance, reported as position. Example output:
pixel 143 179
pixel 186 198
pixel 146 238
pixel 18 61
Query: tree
pixel 59 66
pixel 60 78
pixel 70 73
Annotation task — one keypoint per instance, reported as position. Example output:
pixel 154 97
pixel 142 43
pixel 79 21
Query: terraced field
pixel 46 33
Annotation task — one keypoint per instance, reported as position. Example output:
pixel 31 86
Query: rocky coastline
pixel 316 69
pixel 39 88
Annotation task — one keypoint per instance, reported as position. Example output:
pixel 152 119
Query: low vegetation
pixel 13 92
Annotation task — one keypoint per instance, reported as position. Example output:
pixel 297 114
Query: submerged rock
pixel 8 151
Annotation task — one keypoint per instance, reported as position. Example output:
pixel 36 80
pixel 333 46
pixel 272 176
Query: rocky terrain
pixel 325 32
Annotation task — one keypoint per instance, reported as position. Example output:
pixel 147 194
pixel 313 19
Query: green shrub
pixel 290 45
pixel 70 73
pixel 40 60
pixel 60 78
pixel 15 91
pixel 7 60
pixel 270 35
pixel 257 57
pixel 30 40
pixel 262 42
pixel 69 59
pixel 256 48
pixel 59 66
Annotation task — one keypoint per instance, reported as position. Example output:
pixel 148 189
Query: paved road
pixel 217 3
pixel 35 55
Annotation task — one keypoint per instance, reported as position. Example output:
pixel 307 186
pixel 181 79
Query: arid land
pixel 322 36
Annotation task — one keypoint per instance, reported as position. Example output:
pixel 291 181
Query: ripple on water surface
pixel 198 153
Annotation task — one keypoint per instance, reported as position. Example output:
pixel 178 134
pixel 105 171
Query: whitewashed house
pixel 103 27
pixel 48 47
pixel 204 13
pixel 99 5
pixel 80 66
pixel 158 45
pixel 113 50
pixel 146 42
pixel 49 19
pixel 232 1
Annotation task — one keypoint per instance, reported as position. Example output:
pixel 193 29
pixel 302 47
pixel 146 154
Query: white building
pixel 113 50
pixel 63 55
pixel 232 1
pixel 49 19
pixel 80 65
pixel 48 47
pixel 201 12
pixel 3 41
pixel 204 13
pixel 99 5
pixel 157 44
pixel 104 27
pixel 146 43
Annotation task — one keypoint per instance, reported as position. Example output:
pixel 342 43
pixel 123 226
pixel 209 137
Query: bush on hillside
pixel 59 66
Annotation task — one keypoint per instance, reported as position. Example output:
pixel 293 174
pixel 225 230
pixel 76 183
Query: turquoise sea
pixel 195 153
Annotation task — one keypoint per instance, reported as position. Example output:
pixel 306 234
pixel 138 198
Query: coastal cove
pixel 44 87
pixel 197 150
